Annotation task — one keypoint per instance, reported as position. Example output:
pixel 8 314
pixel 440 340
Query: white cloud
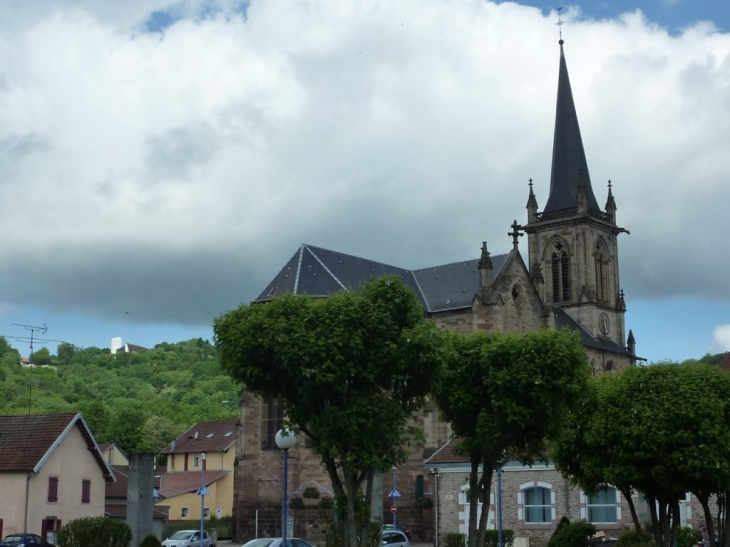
pixel 720 339
pixel 402 131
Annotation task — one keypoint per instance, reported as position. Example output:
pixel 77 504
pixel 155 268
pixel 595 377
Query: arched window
pixel 537 505
pixel 601 273
pixel 560 265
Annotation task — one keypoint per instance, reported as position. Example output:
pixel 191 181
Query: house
pixel 202 456
pixel 51 472
pixel 113 455
pixel 115 500
pixel 117 346
pixel 568 279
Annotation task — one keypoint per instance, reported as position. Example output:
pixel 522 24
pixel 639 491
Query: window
pixel 602 506
pixel 537 504
pixel 196 461
pixel 206 512
pixel 560 266
pixel 184 512
pixel 272 418
pixel 86 491
pixel 601 273
pixel 52 489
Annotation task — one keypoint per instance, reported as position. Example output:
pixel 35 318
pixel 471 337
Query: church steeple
pixel 569 158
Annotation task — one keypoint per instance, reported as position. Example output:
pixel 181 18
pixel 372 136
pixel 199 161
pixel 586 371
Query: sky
pixel 161 161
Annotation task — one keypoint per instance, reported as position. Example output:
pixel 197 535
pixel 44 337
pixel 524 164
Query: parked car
pixel 402 527
pixel 276 542
pixel 188 538
pixel 395 538
pixel 24 540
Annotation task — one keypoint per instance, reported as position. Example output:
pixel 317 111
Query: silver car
pixel 188 538
pixel 276 542
pixel 395 538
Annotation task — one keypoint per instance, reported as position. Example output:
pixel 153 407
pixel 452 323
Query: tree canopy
pixel 508 394
pixel 662 429
pixel 350 370
pixel 140 401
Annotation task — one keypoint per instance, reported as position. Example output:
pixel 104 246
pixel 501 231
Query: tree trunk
pixel 704 500
pixel 630 501
pixel 351 521
pixel 364 540
pixel 473 500
pixel 674 505
pixel 655 526
pixel 485 487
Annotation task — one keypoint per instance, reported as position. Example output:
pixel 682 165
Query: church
pixel 568 278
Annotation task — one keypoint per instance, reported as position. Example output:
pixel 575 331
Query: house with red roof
pixel 202 456
pixel 51 472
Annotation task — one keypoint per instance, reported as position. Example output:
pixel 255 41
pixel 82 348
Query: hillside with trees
pixel 141 401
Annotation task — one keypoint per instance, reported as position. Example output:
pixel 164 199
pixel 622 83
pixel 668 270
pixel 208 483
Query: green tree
pixel 663 430
pixel 508 393
pixel 65 353
pixel 350 371
pixel 157 433
pixel 41 357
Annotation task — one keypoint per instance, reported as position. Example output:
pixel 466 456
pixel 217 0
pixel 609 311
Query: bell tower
pixel 573 242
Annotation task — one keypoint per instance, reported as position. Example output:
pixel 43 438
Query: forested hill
pixel 140 401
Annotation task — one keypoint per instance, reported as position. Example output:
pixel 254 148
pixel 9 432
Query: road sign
pixel 393 509
pixel 394 493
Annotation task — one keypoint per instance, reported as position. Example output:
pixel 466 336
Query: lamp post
pixel 203 491
pixel 285 439
pixel 395 495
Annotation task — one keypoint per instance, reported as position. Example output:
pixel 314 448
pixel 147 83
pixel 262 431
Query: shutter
pixel 419 487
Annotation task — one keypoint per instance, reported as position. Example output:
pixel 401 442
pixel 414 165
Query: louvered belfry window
pixel 272 418
pixel 560 266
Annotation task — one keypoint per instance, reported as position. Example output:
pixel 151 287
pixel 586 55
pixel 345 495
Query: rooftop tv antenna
pixel 31 339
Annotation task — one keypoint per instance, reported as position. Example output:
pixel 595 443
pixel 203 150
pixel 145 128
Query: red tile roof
pixel 174 484
pixel 26 441
pixel 120 511
pixel 217 436
pixel 121 472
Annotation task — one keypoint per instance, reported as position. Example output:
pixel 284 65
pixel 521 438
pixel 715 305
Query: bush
pixel 632 538
pixel 151 541
pixel 94 532
pixel 572 534
pixel 455 540
pixel 491 538
pixel 687 537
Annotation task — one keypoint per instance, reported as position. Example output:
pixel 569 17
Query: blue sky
pixel 161 161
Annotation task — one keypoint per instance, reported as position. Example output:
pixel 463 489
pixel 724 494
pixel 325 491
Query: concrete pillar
pixel 139 496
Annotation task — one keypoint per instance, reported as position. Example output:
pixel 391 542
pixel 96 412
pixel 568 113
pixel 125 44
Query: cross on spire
pixel 515 233
pixel 560 24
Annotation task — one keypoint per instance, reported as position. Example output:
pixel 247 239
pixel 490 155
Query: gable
pixel 40 435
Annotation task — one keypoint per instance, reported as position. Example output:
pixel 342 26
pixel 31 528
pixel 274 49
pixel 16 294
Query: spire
pixel 485 268
pixel 611 205
pixel 568 154
pixel 531 205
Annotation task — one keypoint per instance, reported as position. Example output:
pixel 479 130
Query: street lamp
pixel 285 439
pixel 395 495
pixel 203 491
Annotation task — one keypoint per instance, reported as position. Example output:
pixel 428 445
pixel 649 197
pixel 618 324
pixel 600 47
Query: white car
pixel 395 538
pixel 276 542
pixel 188 538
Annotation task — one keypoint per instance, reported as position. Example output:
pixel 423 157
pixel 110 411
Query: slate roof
pixel 319 272
pixel 569 157
pixel 216 436
pixel 564 320
pixel 27 441
pixel 446 456
pixel 185 482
